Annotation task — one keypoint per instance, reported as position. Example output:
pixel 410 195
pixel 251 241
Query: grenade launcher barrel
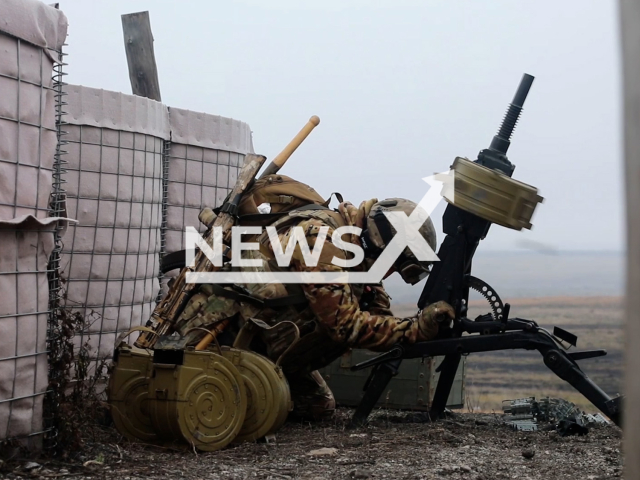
pixel 502 140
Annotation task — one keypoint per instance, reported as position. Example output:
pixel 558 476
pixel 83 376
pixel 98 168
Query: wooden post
pixel 630 33
pixel 138 43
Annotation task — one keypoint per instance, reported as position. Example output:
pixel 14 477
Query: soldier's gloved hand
pixel 439 315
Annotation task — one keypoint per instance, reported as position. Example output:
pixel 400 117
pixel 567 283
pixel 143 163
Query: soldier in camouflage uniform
pixel 331 318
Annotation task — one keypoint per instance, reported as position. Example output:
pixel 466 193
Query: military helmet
pixel 378 232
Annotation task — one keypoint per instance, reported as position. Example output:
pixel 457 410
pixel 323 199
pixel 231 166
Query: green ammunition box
pixel 196 396
pixel 411 389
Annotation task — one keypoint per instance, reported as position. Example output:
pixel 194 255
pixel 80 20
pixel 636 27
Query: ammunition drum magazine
pixel 492 195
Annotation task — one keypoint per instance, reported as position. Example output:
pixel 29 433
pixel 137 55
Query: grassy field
pixel 495 376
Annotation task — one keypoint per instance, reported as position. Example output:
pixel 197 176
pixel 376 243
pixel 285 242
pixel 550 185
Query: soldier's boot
pixel 312 398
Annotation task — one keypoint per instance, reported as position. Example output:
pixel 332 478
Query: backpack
pixel 283 194
pixel 291 201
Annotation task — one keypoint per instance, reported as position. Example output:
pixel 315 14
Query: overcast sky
pixel 402 88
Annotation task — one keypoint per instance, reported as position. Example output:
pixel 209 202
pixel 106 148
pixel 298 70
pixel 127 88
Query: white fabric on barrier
pixel 113 187
pixel 31 35
pixel 110 260
pixel 26 243
pixel 198 177
pixel 210 131
pixel 34 22
pixel 117 111
pixel 27 105
pixel 204 160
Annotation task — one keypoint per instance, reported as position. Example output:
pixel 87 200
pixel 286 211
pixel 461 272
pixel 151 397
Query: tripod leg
pixel 376 384
pixel 567 371
pixel 448 369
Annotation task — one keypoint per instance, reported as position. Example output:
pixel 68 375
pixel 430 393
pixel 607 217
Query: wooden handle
pixel 168 310
pixel 211 336
pixel 280 159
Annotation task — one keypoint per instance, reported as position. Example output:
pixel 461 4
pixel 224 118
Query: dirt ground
pixel 466 446
pixel 470 446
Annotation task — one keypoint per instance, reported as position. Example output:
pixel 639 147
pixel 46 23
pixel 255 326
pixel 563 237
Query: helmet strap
pixel 369 247
pixel 384 228
pixel 404 260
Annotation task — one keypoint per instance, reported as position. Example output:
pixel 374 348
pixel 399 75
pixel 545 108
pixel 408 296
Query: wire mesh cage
pixel 110 259
pixel 24 312
pixel 27 128
pixel 133 191
pixel 108 160
pixel 203 161
pixel 198 177
pixel 31 39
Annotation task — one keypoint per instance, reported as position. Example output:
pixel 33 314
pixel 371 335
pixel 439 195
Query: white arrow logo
pixel 407 235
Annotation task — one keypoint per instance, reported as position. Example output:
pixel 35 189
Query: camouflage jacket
pixel 335 317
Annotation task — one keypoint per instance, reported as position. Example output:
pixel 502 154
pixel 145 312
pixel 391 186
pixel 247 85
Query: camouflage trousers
pixel 312 398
